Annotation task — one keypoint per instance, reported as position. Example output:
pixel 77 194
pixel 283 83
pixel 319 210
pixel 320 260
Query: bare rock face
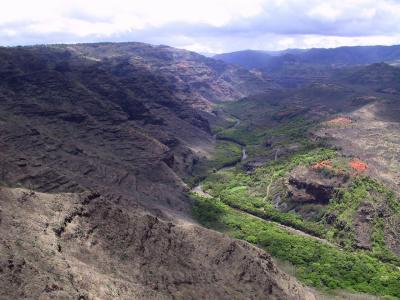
pixel 307 185
pixel 84 246
pixel 392 234
pixel 83 127
pixel 205 79
pixel 363 226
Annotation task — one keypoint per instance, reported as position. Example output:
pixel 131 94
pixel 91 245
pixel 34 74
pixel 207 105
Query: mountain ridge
pixel 95 145
pixel 345 55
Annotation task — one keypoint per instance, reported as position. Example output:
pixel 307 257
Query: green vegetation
pixel 293 131
pixel 242 135
pixel 262 120
pixel 243 203
pixel 249 192
pixel 226 154
pixel 238 195
pixel 317 264
pixel 379 247
pixel 364 190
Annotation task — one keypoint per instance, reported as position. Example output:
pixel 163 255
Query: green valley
pixel 303 200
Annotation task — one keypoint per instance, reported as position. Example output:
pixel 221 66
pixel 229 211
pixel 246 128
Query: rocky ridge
pixel 85 246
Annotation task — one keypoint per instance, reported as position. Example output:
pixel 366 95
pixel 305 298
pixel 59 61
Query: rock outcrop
pixel 312 186
pixel 85 246
pixel 363 226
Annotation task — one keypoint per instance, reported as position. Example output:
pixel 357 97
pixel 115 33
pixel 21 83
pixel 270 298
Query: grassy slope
pixel 248 192
pixel 226 154
pixel 316 264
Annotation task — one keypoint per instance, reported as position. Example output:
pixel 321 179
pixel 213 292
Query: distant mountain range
pixel 335 57
pixel 298 67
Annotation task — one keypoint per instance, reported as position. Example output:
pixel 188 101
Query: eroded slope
pixel 84 246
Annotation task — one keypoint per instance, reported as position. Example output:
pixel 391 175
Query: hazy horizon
pixel 203 53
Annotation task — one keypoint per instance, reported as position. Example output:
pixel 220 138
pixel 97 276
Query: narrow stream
pixel 244 154
pixel 198 189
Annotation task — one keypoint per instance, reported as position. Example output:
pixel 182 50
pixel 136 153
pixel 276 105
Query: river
pixel 198 189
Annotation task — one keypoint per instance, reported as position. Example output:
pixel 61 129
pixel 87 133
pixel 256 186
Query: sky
pixel 207 26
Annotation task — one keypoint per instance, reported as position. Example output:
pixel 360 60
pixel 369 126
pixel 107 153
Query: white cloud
pixel 337 41
pixel 281 42
pixel 325 11
pixel 286 42
pixel 126 14
pixel 206 25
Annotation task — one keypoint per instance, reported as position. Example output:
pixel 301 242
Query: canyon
pixel 135 171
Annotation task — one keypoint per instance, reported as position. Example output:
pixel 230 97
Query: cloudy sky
pixel 206 25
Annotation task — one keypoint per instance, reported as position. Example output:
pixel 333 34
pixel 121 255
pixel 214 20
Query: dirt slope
pixel 373 136
pixel 84 246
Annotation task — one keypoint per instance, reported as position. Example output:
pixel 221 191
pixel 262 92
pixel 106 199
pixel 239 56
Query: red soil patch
pixel 325 164
pixel 358 165
pixel 339 121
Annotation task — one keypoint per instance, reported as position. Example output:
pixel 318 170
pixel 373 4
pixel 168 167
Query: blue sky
pixel 205 26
